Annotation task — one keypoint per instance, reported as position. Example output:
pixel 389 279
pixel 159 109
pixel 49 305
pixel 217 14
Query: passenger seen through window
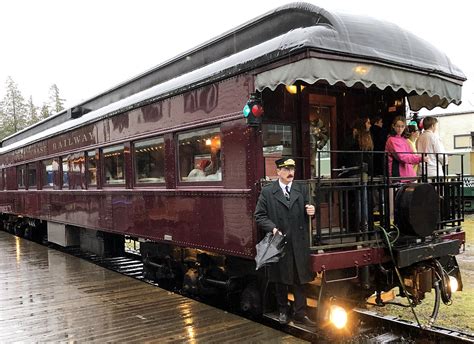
pixel 200 155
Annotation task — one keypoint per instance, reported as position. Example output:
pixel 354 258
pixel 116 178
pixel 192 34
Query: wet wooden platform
pixel 50 296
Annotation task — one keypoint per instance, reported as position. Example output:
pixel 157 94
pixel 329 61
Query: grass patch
pixel 456 316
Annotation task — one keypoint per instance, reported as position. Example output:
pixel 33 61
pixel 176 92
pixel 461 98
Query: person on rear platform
pixel 401 158
pixel 283 207
pixel 429 142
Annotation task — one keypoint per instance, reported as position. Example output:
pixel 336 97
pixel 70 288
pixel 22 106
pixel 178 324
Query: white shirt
pixel 283 187
pixel 429 142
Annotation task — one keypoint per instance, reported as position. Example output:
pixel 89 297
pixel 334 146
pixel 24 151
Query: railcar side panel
pixel 178 217
pixel 235 137
pixel 170 162
pixel 215 100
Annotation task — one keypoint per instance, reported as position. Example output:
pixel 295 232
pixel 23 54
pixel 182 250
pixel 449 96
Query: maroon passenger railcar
pixel 169 159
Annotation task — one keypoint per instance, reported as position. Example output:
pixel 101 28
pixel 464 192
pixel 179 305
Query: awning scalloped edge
pixel 431 91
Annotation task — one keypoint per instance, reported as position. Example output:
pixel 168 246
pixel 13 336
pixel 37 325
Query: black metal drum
pixel 417 209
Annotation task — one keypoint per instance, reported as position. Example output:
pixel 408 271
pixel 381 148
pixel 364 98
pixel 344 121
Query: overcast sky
pixel 88 46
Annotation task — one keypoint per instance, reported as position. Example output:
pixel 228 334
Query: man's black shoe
pixel 304 321
pixel 283 319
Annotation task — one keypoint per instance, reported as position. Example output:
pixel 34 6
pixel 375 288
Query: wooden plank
pixel 47 296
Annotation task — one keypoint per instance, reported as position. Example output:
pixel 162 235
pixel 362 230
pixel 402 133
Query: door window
pixel 319 128
pixel 277 143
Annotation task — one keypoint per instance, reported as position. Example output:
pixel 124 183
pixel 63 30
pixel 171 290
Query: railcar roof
pixel 284 31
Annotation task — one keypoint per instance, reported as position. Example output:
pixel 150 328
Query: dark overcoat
pixel 274 211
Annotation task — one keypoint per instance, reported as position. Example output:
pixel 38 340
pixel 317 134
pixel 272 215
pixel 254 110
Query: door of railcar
pixel 300 126
pixel 321 114
pixel 303 126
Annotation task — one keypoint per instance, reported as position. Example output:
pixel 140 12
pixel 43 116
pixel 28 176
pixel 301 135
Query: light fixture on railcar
pixel 338 316
pixel 253 110
pixel 453 284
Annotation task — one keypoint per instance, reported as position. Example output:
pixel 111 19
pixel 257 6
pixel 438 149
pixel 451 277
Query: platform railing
pixel 352 202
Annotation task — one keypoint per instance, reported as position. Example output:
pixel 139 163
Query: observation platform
pixel 50 296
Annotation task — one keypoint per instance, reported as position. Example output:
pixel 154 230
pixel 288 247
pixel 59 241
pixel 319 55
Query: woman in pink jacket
pixel 400 157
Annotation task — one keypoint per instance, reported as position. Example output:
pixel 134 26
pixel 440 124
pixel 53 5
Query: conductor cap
pixel 285 162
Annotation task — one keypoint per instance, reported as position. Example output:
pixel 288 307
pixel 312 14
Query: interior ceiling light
pixel 292 89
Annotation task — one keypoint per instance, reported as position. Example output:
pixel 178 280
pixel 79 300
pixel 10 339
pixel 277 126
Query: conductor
pixel 283 207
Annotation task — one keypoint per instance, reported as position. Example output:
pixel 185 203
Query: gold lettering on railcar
pixel 73 141
pixel 39 149
pixel 29 152
pixel 35 150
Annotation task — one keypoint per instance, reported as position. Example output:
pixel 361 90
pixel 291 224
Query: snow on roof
pixel 332 33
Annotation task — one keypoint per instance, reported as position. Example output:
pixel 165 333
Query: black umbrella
pixel 270 249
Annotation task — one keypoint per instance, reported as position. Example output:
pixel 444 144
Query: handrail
pixel 349 209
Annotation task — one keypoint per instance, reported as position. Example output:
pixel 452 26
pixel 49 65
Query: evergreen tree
pixel 32 112
pixel 14 109
pixel 45 111
pixel 2 134
pixel 55 100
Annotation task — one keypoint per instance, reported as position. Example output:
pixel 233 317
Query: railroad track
pixel 374 327
pixel 396 330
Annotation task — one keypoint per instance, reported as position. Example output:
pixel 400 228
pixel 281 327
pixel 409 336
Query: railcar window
pixel 65 172
pixel 277 142
pixel 199 155
pixel 50 169
pixel 31 176
pixel 91 168
pixel 149 161
pixel 21 176
pixel 114 165
pixel 77 171
pixel 2 181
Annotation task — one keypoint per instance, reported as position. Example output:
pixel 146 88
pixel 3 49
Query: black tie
pixel 287 194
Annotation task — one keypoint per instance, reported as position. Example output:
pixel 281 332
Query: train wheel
pixel 190 282
pixel 29 233
pixel 19 230
pixel 251 300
